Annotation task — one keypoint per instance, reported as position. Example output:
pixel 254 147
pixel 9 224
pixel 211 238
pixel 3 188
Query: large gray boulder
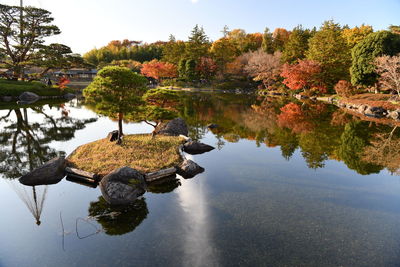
pixel 123 186
pixel 28 97
pixel 189 169
pixel 194 147
pixel 51 172
pixel 174 127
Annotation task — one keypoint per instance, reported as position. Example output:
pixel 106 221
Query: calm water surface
pixel 297 184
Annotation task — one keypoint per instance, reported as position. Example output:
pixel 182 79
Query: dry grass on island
pixel 140 151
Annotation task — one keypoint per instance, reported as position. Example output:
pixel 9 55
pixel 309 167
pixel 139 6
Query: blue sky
pixel 86 24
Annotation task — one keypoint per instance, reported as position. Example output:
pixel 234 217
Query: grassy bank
pixel 138 151
pixel 15 88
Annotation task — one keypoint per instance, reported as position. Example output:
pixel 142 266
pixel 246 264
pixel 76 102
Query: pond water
pixel 289 184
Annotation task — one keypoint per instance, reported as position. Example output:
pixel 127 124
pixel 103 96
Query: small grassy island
pixel 138 151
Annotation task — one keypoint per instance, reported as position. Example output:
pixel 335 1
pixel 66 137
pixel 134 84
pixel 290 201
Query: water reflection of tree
pixel 25 145
pixel 354 139
pixel 118 220
pixel 321 132
pixel 384 150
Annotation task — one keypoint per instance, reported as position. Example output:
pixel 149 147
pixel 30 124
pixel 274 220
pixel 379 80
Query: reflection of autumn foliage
pixel 385 151
pixel 293 117
pixel 304 75
pixel 340 118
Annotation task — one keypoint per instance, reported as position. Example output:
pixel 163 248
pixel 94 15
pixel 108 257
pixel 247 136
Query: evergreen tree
pixel 190 71
pixel 297 45
pixel 364 53
pixel 329 48
pixel 198 44
pixel 182 69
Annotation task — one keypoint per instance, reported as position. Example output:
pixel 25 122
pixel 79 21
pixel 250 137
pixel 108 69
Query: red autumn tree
pixel 206 67
pixel 159 70
pixel 304 75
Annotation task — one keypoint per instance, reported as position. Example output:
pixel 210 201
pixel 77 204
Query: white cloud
pixel 194 1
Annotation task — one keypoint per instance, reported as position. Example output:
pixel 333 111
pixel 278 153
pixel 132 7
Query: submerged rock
pixel 174 127
pixel 194 147
pixel 122 186
pixel 189 169
pixel 51 172
pixel 28 97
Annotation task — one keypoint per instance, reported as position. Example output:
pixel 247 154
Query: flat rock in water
pixel 122 186
pixel 194 147
pixel 51 172
pixel 28 97
pixel 174 127
pixel 189 169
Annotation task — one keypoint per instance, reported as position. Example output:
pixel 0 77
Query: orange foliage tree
pixel 159 70
pixel 304 75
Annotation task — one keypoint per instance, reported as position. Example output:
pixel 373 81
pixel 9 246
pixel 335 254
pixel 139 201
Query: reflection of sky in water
pixel 198 245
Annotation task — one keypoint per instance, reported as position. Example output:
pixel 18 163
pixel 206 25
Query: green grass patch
pixel 15 88
pixel 139 151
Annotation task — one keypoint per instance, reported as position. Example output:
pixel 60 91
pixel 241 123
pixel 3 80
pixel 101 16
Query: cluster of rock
pixel 370 111
pixel 124 185
pixel 27 98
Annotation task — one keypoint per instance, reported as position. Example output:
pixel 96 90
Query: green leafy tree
pixel 173 51
pixel 364 53
pixel 280 37
pixel 22 37
pixel 267 43
pixel 57 56
pixel 157 106
pixel 297 45
pixel 116 91
pixel 329 48
pixel 223 51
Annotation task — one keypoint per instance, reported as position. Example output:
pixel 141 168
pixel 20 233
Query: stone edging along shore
pixel 365 111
